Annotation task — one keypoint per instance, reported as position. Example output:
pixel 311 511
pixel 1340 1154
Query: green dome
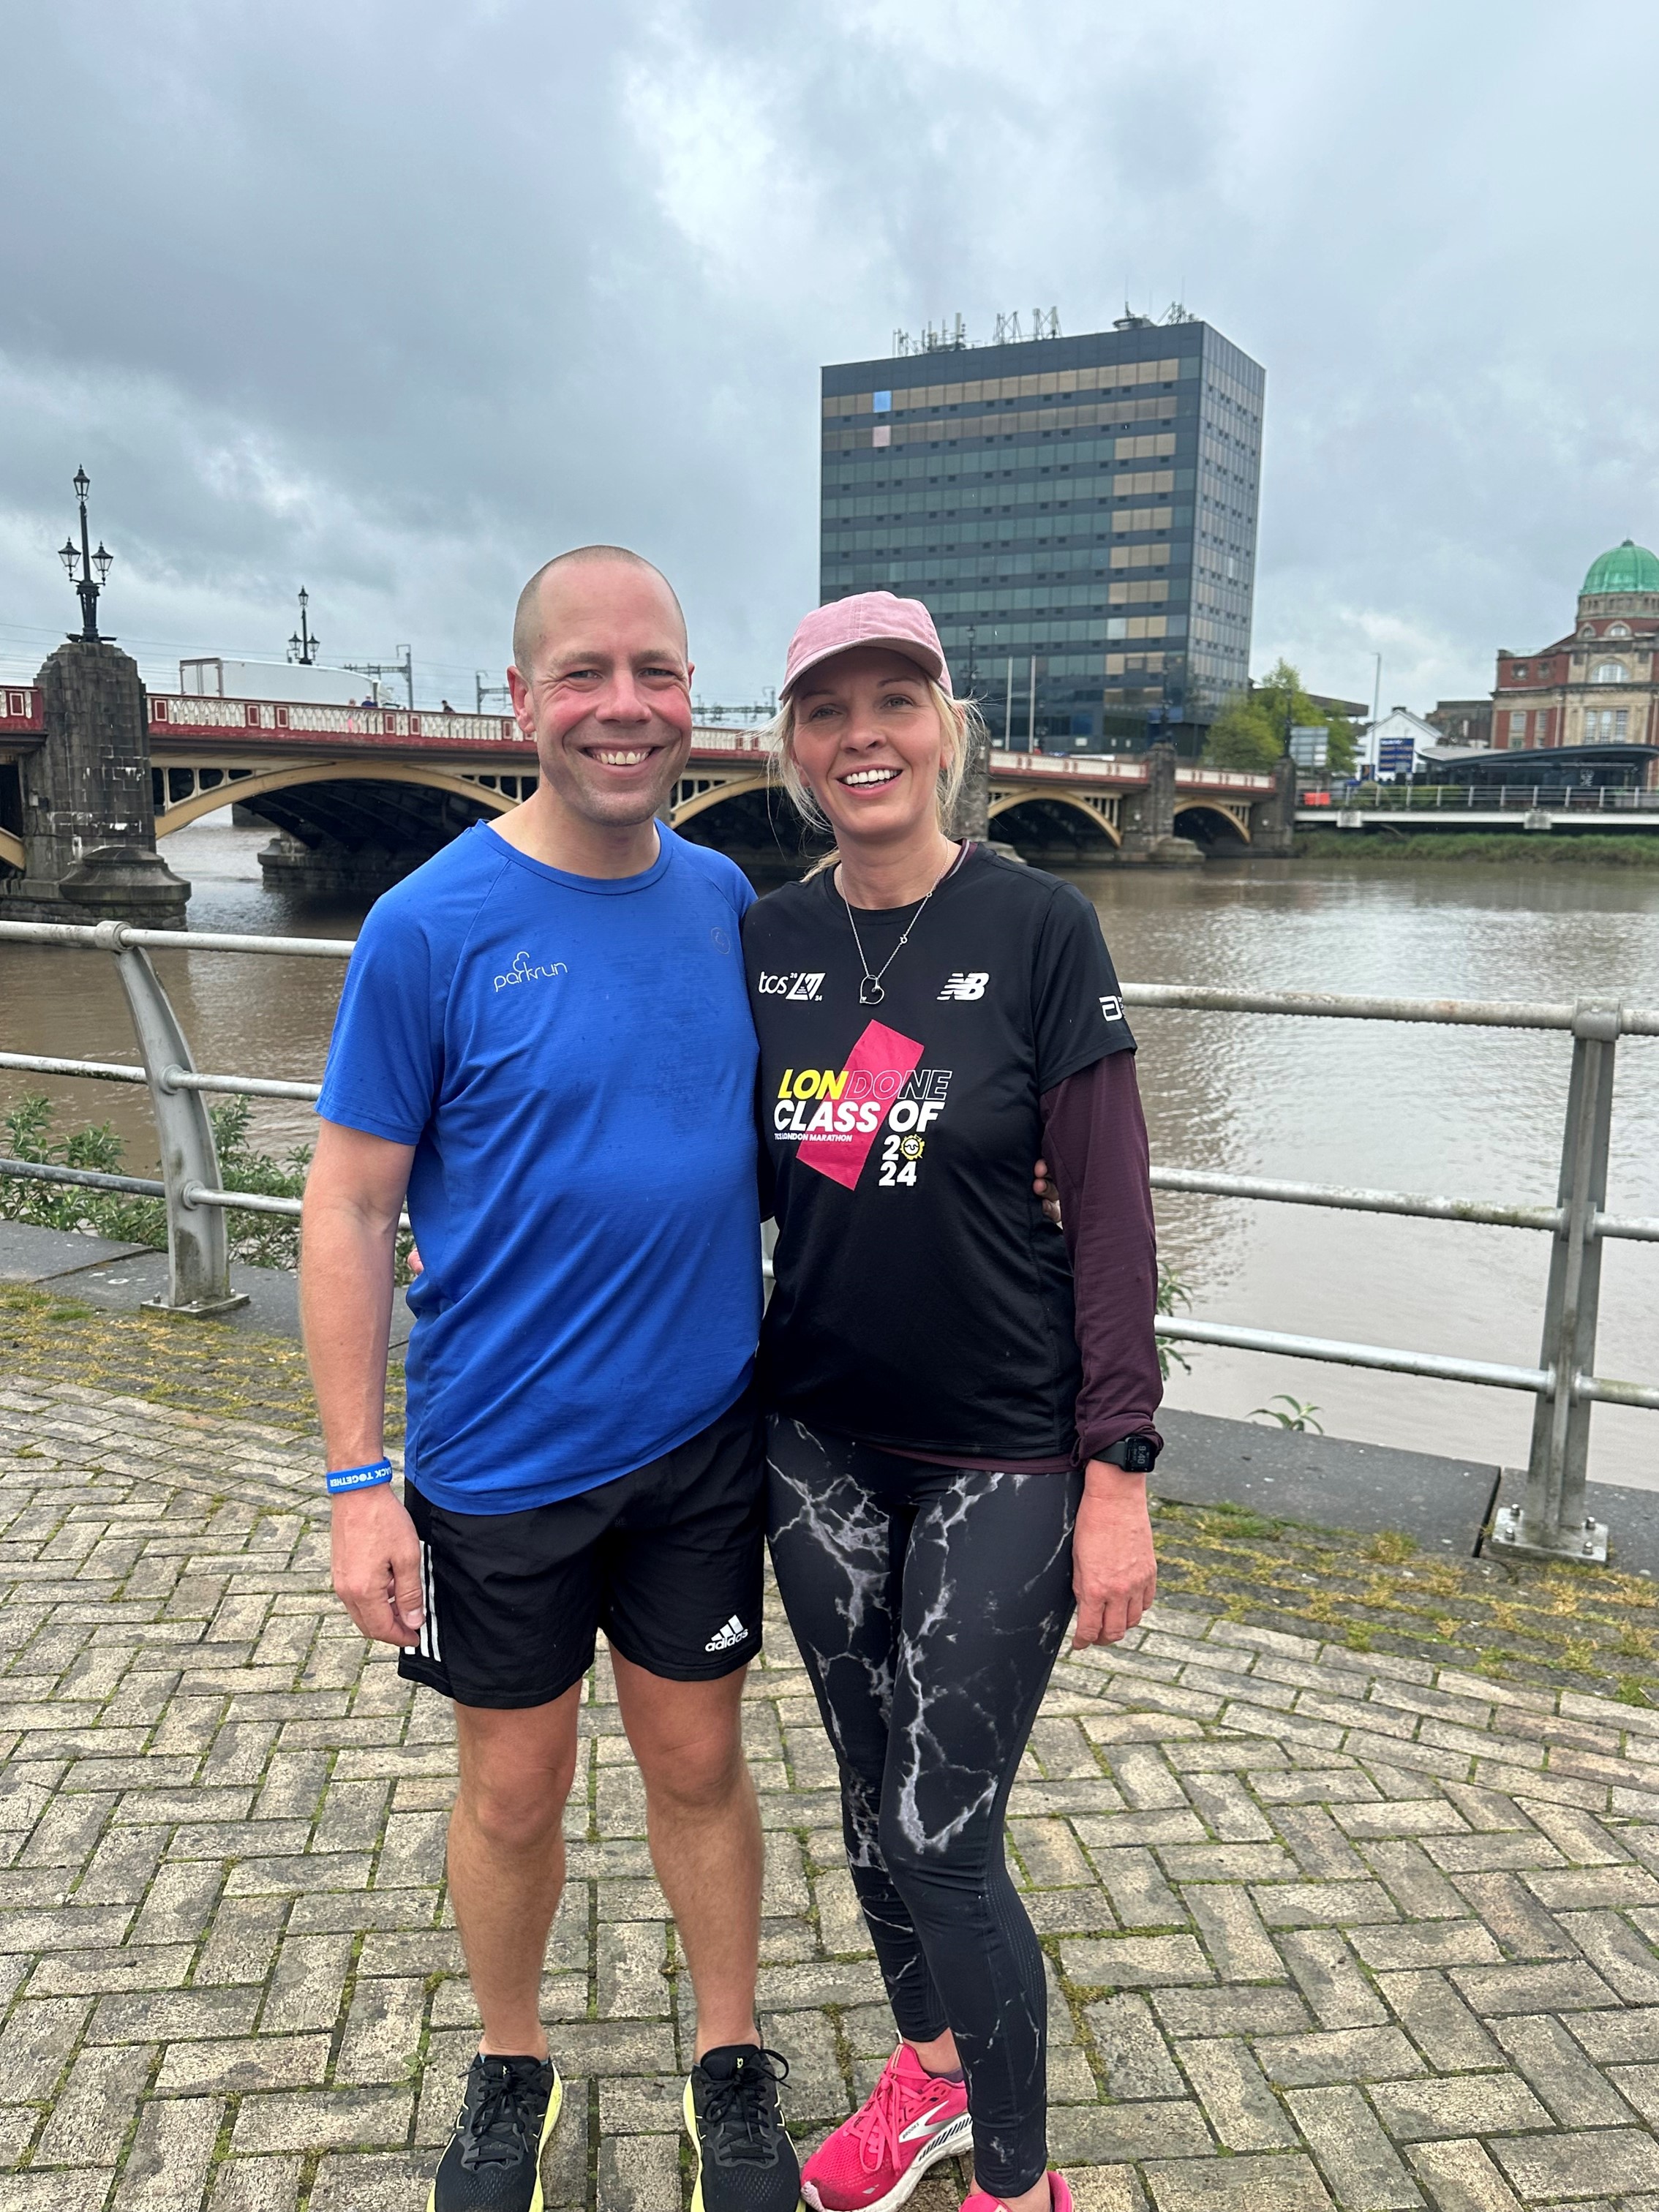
pixel 1628 568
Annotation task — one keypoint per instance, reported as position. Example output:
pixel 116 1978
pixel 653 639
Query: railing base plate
pixel 200 1309
pixel 1586 1545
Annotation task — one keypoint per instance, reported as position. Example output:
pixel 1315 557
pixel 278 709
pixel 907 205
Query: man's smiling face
pixel 607 692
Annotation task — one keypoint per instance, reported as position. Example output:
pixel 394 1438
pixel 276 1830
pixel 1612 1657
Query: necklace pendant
pixel 870 992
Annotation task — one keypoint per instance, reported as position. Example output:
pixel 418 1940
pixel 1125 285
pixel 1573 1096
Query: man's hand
pixel 1114 1570
pixel 1047 1190
pixel 377 1565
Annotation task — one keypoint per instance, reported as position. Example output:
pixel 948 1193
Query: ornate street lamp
pixel 302 645
pixel 80 561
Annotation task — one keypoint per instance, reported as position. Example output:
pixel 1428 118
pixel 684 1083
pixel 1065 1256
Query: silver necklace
pixel 871 990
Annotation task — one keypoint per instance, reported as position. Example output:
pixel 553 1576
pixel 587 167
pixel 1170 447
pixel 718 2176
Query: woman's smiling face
pixel 869 742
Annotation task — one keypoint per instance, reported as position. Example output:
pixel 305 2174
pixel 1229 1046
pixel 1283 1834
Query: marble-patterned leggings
pixel 929 1603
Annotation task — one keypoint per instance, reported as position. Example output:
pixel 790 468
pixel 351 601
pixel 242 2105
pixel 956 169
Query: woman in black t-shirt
pixel 960 1402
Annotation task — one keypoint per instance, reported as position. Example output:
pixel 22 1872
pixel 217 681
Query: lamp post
pixel 80 561
pixel 302 645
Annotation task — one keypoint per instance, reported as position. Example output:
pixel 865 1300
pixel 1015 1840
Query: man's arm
pixel 354 1194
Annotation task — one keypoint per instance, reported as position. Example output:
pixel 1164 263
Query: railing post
pixel 198 1243
pixel 1553 1524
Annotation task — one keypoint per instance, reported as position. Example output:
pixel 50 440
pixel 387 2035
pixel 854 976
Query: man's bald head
pixel 530 620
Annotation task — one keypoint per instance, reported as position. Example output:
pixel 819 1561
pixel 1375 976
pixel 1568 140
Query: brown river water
pixel 1464 1112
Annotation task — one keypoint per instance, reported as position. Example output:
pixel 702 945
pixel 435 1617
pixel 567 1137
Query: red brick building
pixel 1600 684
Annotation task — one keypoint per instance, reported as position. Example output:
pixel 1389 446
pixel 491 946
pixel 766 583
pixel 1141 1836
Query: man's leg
pixel 507 1858
pixel 705 1833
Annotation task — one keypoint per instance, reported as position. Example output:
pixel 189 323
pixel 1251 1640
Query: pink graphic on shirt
pixel 849 1119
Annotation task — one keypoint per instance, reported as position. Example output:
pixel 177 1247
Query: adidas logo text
pixel 724 1638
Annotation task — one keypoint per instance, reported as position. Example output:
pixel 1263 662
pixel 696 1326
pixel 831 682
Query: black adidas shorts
pixel 665 1560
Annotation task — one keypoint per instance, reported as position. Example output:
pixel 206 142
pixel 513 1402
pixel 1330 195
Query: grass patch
pixel 1513 1620
pixel 199 1366
pixel 1392 1546
pixel 1375 849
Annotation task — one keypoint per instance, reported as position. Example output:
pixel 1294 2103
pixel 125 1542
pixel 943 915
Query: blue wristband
pixel 358 1477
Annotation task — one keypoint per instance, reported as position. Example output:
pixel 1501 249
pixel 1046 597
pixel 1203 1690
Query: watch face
pixel 1139 1457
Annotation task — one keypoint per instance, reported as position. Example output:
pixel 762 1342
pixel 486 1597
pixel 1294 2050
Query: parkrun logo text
pixel 523 970
pixel 796 985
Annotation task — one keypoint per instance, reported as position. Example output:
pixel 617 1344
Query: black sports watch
pixel 1134 1454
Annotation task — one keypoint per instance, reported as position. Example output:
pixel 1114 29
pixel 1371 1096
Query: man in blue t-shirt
pixel 545 1044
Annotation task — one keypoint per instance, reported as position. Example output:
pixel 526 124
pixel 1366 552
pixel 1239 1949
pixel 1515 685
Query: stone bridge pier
pixel 1148 817
pixel 88 821
pixel 1272 819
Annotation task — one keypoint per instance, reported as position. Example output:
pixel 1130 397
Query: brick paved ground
pixel 1326 1926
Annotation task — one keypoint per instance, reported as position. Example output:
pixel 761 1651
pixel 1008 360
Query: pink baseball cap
pixel 867 618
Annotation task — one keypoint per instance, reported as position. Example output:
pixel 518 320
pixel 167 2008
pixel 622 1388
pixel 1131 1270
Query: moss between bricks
pixel 1552 1627
pixel 199 1366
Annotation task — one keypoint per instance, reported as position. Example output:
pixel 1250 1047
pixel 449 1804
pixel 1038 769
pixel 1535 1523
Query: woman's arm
pixel 1094 1138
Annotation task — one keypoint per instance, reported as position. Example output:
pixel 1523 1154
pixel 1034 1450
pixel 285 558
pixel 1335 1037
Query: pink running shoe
pixel 910 2120
pixel 1060 2196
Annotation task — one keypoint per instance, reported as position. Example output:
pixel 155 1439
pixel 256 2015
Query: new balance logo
pixel 793 985
pixel 970 986
pixel 724 1638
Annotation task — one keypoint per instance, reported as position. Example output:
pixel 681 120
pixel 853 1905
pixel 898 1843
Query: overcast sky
pixel 394 302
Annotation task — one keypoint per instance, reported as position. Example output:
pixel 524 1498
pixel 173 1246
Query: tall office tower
pixel 1078 515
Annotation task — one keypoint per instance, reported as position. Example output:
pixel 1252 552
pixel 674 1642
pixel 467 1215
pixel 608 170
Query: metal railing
pixel 1550 1522
pixel 1499 798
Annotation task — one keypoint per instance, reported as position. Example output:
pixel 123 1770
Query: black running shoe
pixel 493 2163
pixel 745 2161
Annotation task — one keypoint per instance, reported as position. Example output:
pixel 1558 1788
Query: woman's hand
pixel 1114 1570
pixel 1047 1190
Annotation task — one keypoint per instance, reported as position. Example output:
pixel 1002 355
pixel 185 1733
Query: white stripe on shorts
pixel 431 1622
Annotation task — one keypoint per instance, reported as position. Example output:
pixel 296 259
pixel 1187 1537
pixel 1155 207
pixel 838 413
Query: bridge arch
pixel 741 812
pixel 296 773
pixel 1041 807
pixel 702 793
pixel 1208 820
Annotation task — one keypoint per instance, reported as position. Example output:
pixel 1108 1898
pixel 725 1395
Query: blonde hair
pixel 960 726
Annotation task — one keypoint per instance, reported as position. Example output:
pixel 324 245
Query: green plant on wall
pixel 257 1240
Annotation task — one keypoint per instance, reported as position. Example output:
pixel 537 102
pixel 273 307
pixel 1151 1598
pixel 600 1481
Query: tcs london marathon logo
pixel 795 985
pixel 836 1115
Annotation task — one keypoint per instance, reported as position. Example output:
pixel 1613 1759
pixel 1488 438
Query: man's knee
pixel 512 1810
pixel 687 1738
pixel 696 1772
pixel 516 1773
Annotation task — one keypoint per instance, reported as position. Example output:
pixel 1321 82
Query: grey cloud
pixel 392 301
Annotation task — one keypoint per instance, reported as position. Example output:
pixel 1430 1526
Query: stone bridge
pixel 359 796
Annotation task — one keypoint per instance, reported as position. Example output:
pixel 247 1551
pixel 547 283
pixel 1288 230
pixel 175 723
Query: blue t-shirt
pixel 573 1061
